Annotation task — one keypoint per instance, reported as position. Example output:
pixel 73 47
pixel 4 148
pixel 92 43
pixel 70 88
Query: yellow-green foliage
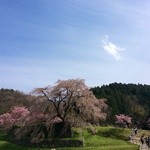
pixel 114 132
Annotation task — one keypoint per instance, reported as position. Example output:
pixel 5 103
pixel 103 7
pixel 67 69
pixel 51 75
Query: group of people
pixel 146 140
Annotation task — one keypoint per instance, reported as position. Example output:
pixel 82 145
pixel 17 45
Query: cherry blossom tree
pixel 123 120
pixel 69 100
pixel 14 117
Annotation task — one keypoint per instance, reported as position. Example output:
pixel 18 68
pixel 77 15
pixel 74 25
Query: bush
pixel 92 130
pixel 118 133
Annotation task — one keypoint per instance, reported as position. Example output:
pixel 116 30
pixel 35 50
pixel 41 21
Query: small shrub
pixel 118 133
pixel 92 130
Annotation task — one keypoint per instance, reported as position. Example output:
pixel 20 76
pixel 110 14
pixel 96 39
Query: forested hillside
pixel 10 98
pixel 130 99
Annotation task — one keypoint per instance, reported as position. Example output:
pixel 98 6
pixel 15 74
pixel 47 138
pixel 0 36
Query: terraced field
pixel 104 138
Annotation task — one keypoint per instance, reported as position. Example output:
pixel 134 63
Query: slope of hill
pixel 130 99
pixel 10 98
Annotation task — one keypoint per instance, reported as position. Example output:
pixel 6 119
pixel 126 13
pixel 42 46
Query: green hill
pixel 130 99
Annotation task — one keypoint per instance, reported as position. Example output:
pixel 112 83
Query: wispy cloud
pixel 111 48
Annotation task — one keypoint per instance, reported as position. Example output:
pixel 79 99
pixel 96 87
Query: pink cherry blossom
pixel 123 120
pixel 16 114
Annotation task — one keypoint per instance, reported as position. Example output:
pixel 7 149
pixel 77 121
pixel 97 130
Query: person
pixel 135 130
pixel 142 139
pixel 148 141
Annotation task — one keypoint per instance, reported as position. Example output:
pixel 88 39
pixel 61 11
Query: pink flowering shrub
pixel 123 120
pixel 7 120
pixel 20 116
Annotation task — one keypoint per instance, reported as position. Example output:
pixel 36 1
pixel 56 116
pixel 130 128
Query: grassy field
pixel 95 138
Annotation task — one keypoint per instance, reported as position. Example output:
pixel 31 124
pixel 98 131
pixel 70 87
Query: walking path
pixel 136 140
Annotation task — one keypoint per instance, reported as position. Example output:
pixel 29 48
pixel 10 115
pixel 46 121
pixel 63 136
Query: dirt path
pixel 136 140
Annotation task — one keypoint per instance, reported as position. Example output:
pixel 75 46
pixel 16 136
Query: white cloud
pixel 111 48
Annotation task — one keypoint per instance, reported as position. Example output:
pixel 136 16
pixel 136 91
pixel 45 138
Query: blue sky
pixel 100 41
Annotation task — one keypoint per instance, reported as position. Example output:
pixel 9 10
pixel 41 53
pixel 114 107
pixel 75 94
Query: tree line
pixel 129 99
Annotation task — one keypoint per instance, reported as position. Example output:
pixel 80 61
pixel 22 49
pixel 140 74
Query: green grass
pixel 105 138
